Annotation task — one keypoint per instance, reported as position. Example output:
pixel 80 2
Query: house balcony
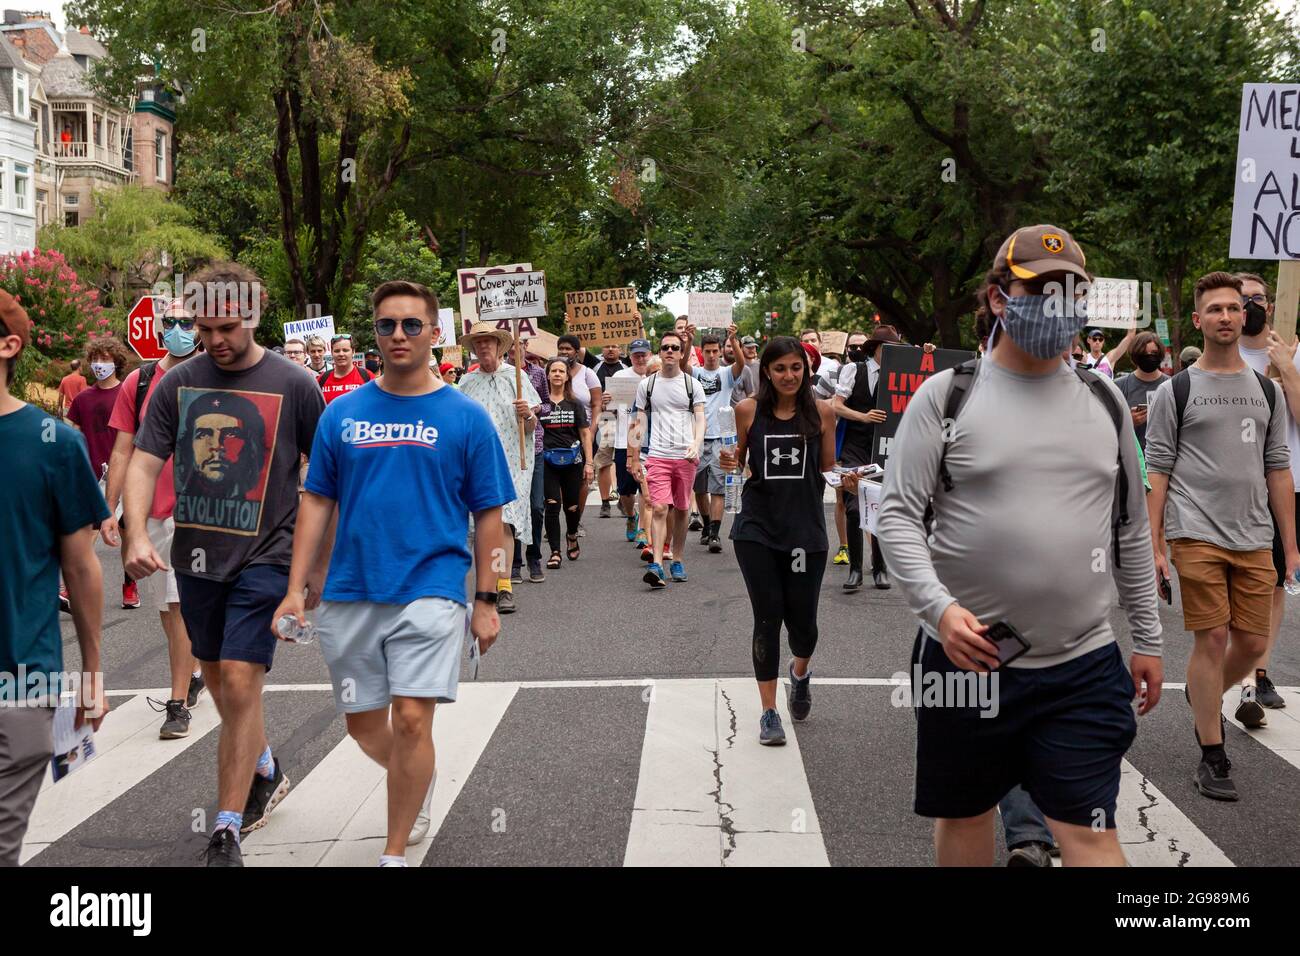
pixel 87 151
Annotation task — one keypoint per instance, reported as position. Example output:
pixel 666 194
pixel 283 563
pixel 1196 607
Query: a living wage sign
pixel 1266 200
pixel 902 370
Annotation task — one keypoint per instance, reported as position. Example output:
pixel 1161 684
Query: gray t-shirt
pixel 1216 466
pixel 236 438
pixel 1138 392
pixel 747 385
pixel 1025 534
pixel 717 386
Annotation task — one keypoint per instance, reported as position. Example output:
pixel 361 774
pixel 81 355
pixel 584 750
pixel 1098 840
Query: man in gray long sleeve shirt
pixel 1030 436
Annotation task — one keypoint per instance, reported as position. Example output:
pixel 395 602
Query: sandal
pixel 554 561
pixel 574 550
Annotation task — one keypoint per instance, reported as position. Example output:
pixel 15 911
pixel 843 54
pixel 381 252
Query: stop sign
pixel 139 328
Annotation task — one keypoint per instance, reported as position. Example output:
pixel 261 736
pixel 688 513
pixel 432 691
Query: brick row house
pixel 60 140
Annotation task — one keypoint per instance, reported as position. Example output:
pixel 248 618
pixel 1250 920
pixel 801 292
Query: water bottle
pixel 734 480
pixel 294 632
pixel 1292 585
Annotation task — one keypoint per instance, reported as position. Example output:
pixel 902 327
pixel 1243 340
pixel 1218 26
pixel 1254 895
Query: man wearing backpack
pixel 1218 461
pixel 994 447
pixel 176 328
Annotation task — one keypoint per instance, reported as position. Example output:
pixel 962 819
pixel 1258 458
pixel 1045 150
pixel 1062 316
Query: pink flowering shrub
pixel 64 310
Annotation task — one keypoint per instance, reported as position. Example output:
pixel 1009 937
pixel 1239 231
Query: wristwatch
pixel 487 597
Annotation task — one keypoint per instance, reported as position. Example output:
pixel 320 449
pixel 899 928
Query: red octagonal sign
pixel 140 328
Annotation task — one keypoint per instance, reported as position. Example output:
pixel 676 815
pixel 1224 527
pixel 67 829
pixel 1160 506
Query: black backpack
pixel 964 374
pixel 1182 386
pixel 147 371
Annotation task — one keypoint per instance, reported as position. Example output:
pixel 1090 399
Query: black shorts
pixel 1279 558
pixel 1059 731
pixel 627 485
pixel 231 620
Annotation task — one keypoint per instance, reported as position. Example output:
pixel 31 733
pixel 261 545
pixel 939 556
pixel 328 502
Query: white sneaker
pixel 422 821
pixel 390 861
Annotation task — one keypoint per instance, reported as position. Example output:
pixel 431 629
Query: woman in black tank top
pixel 779 536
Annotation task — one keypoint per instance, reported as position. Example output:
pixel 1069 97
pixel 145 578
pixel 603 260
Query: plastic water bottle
pixel 1292 585
pixel 734 480
pixel 294 632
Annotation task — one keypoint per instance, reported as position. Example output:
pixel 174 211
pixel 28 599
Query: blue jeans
pixel 1022 820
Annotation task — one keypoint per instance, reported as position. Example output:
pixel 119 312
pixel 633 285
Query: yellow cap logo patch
pixel 1053 243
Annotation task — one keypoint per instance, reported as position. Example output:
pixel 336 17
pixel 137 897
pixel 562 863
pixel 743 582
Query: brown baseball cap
pixel 15 318
pixel 1035 251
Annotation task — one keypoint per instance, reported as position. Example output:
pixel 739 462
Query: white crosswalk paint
pixel 129 751
pixel 709 795
pixel 1282 734
pixel 338 814
pixel 1154 832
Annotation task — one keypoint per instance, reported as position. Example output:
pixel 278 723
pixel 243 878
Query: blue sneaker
pixel 631 528
pixel 770 731
pixel 677 571
pixel 654 576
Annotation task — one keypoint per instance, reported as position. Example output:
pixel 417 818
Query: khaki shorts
pixel 604 457
pixel 158 590
pixel 1221 587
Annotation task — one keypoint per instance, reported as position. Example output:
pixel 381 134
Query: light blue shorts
pixel 376 652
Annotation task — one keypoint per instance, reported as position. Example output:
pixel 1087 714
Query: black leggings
pixel 783 586
pixel 563 487
pixel 853 529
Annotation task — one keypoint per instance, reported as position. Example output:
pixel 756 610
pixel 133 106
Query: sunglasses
pixel 186 324
pixel 343 337
pixel 411 327
pixel 670 348
pixel 1258 298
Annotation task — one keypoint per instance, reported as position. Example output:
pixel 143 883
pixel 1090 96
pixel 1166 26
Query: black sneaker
pixel 263 797
pixel 517 574
pixel 535 573
pixel 1249 713
pixel 770 731
pixel 604 509
pixel 1030 854
pixel 715 543
pixel 197 687
pixel 223 849
pixel 506 602
pixel 704 536
pixel 177 722
pixel 1266 693
pixel 1212 777
pixel 695 524
pixel 800 694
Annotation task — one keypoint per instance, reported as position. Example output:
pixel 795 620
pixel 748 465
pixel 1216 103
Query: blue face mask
pixel 1043 330
pixel 178 341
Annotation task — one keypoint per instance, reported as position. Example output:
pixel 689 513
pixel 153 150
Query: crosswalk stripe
pixel 1282 735
pixel 338 814
pixel 129 751
pixel 1154 832
pixel 702 799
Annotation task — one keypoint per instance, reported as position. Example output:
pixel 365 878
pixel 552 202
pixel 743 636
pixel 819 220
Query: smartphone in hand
pixel 1009 642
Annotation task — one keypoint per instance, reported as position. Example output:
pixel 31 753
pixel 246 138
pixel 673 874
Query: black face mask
pixel 372 365
pixel 1148 361
pixel 857 354
pixel 1256 319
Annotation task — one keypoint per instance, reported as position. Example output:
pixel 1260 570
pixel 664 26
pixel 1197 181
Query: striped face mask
pixel 1041 331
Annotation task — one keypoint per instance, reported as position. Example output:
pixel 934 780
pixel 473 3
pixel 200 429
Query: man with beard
pixel 224 436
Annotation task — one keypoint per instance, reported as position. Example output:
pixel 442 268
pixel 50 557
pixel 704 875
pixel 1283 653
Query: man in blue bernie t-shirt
pixel 47 513
pixel 392 620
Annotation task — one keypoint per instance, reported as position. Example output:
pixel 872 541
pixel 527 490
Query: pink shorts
pixel 670 481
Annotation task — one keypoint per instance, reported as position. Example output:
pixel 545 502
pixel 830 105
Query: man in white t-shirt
pixel 638 518
pixel 717 380
pixel 1261 347
pixel 671 419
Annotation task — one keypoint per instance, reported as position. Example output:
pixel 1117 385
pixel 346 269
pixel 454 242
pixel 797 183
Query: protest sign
pixel 621 390
pixel 869 504
pixel 467 282
pixel 709 311
pixel 514 295
pixel 454 354
pixel 322 325
pixel 834 342
pixel 600 317
pixel 445 333
pixel 1112 303
pixel 902 370
pixel 1265 214
pixel 542 344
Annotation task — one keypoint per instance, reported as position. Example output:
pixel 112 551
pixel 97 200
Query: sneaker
pixel 517 574
pixel 668 554
pixel 604 509
pixel 223 849
pixel 130 595
pixel 263 797
pixel 642 539
pixel 654 576
pixel 770 731
pixel 1249 712
pixel 177 722
pixel 506 602
pixel 704 536
pixel 677 570
pixel 715 544
pixel 1030 854
pixel 800 695
pixel 1266 693
pixel 1212 777
pixel 197 687
pixel 631 529
pixel 696 524
pixel 422 819
pixel 842 555
pixel 535 574
pixel 647 553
